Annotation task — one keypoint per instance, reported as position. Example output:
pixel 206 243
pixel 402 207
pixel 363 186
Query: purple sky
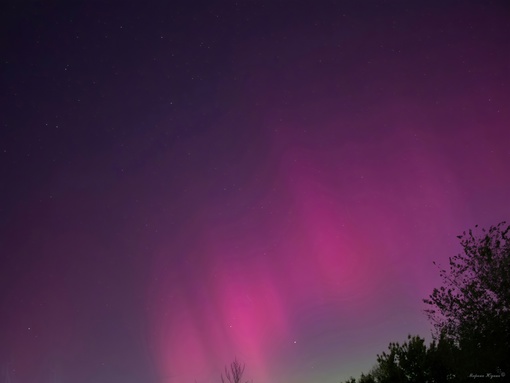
pixel 182 185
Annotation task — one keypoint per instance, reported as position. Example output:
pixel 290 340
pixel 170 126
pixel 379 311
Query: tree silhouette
pixel 234 374
pixel 412 362
pixel 471 317
pixel 472 308
pixel 408 362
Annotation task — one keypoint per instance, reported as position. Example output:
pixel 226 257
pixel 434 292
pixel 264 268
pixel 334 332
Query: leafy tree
pixel 472 308
pixel 442 360
pixel 369 378
pixel 411 362
pixel 471 316
pixel 404 363
pixel 362 379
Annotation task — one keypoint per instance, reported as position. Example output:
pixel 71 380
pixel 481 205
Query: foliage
pixel 406 363
pixel 472 308
pixel 471 317
pixel 412 362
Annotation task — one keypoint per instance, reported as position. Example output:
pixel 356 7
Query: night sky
pixel 185 183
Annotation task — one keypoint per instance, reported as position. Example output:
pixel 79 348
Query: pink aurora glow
pixel 337 248
pixel 257 181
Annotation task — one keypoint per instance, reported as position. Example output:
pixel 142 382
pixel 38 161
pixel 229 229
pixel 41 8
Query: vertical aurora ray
pixel 181 187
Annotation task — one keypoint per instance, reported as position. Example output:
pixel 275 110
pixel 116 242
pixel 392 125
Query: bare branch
pixel 234 374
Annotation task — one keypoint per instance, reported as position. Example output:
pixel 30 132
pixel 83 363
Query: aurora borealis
pixel 184 184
